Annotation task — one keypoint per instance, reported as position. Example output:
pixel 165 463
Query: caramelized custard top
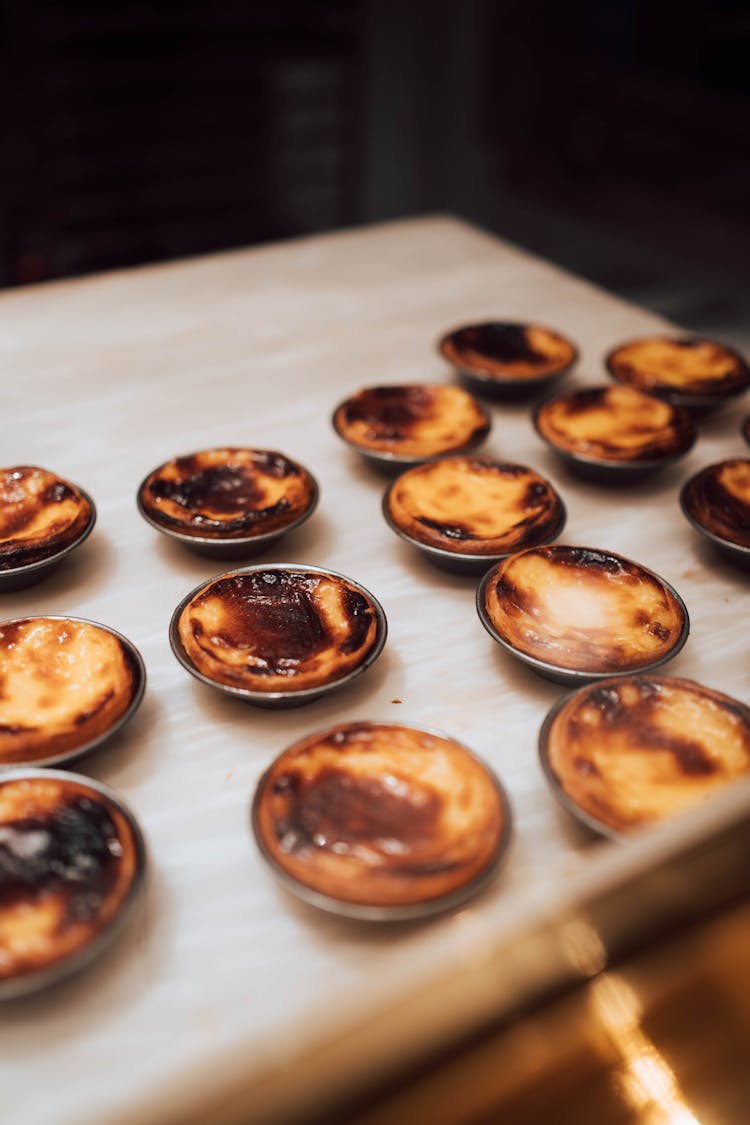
pixel 68 858
pixel 634 750
pixel 508 351
pixel 228 493
pixel 583 610
pixel 474 506
pixel 275 630
pixel 688 365
pixel 380 814
pixel 40 515
pixel 63 683
pixel 420 420
pixel 616 423
pixel 718 498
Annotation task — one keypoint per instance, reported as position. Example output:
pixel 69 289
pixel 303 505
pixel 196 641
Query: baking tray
pixel 225 999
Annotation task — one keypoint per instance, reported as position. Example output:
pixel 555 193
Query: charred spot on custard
pixel 449 530
pixel 73 851
pixel 390 411
pixel 336 809
pixel 505 343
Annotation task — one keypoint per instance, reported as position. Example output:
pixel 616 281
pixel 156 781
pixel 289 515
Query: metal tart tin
pixel 403 912
pixel 563 675
pixel 736 553
pixel 509 387
pixel 138 670
pixel 27 983
pixel 608 471
pixel 229 548
pixel 463 564
pixel 279 699
pixel 19 577
pixel 392 463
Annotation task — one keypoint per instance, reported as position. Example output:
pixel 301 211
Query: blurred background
pixel 611 136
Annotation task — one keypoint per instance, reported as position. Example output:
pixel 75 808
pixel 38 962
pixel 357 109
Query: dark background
pixel 612 136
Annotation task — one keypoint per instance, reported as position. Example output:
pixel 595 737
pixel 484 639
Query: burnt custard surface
pixel 691 365
pixel 583 610
pixel 417 420
pixel 635 750
pixel 718 498
pixel 615 423
pixel 68 858
pixel 380 815
pixel 474 506
pixel 228 493
pixel 508 351
pixel 40 515
pixel 63 683
pixel 273 630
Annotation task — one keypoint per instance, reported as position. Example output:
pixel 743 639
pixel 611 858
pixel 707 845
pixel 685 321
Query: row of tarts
pixel 378 821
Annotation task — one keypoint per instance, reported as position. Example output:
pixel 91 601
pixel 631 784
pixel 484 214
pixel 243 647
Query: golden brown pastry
pixel 63 683
pixel 40 515
pixel 474 506
pixel 615 423
pixel 584 610
pixel 505 351
pixel 419 420
pixel 68 858
pixel 718 498
pixel 272 629
pixel 380 815
pixel 635 750
pixel 683 365
pixel 228 493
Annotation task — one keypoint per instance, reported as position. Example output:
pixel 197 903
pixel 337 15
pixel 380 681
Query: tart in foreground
pixel 70 859
pixel 66 685
pixel 632 751
pixel 380 820
pixel 579 612
pixel 286 629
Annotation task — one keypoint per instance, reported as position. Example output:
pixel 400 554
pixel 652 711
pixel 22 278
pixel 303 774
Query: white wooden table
pixel 223 980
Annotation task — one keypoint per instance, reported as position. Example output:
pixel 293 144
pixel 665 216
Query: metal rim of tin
pixel 25 983
pixel 139 688
pixel 563 675
pixel 461 562
pixel 485 380
pixel 16 575
pixel 404 912
pixel 291 697
pixel 608 467
pixel 736 550
pixel 560 794
pixel 228 545
pixel 695 400
pixel 393 460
